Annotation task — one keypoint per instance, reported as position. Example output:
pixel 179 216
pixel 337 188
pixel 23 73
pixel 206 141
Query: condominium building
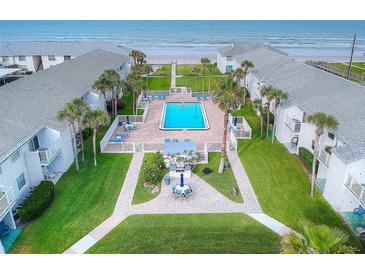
pixel 34 145
pixel 341 173
pixel 36 56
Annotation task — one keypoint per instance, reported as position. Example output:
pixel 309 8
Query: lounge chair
pixel 175 140
pixel 359 211
pixel 4 230
pixel 187 140
pixel 123 135
pixel 116 141
pixel 198 98
pixel 167 140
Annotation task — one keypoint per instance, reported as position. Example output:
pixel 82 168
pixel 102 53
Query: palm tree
pixel 278 96
pixel 148 69
pixel 260 107
pixel 80 109
pixel 228 97
pixel 268 92
pixel 246 65
pixel 196 71
pixel 238 75
pixel 95 119
pixel 69 113
pixel 109 81
pixel 210 68
pixel 317 239
pixel 116 86
pixel 141 58
pixel 134 54
pixel 321 121
pixel 204 61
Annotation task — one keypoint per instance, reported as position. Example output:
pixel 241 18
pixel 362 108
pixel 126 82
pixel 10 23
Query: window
pixel 229 68
pixel 15 156
pixel 313 144
pixel 21 57
pixel 66 57
pixel 331 136
pixel 34 144
pixel 229 58
pixel 5 58
pixel 20 181
pixel 51 58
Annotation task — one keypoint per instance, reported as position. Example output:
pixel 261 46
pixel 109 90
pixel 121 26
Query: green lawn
pixel 82 201
pixel 222 182
pixel 187 68
pixel 359 64
pixel 128 106
pixel 141 193
pixel 159 83
pixel 164 71
pixel 191 82
pixel 281 183
pixel 189 233
pixel 354 70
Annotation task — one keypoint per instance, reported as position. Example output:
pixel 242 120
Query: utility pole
pixel 352 53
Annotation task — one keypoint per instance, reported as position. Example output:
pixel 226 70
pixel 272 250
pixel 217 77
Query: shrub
pixel 155 172
pixel 307 158
pixel 38 202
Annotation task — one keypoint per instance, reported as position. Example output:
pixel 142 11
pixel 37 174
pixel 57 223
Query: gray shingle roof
pixel 31 103
pixel 314 90
pixel 57 48
pixel 242 48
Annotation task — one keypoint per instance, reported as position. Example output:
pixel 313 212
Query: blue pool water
pixel 184 115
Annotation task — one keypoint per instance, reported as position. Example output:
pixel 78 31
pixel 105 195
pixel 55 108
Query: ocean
pixel 297 38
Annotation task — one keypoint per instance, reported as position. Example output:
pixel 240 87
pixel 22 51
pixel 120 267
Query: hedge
pixel 38 202
pixel 307 158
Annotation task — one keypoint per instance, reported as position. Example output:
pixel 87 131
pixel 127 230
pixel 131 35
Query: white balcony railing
pixel 357 189
pixel 46 155
pixel 293 124
pixel 324 156
pixel 7 200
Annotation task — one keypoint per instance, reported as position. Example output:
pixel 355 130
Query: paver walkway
pixel 205 199
pixel 243 182
pixel 173 75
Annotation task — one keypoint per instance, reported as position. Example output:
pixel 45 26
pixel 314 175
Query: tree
pixel 210 68
pixel 134 84
pixel 148 70
pixel 317 239
pixel 70 114
pixel 95 119
pixel 238 75
pixel 321 121
pixel 204 61
pixel 80 109
pixel 262 109
pixel 134 54
pixel 109 81
pixel 246 65
pixel 278 96
pixel 196 71
pixel 268 92
pixel 228 97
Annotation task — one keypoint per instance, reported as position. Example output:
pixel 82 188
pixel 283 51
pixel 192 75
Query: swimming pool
pixel 179 116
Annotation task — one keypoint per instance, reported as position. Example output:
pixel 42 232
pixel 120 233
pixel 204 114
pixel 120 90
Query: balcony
pixel 46 155
pixel 7 200
pixel 357 189
pixel 324 156
pixel 293 124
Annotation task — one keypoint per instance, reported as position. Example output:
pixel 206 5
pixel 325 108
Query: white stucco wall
pixel 335 191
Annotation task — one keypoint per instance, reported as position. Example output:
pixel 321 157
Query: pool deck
pixel 149 131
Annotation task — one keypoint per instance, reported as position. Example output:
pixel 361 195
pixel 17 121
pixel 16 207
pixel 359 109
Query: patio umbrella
pixel 235 121
pixel 127 120
pixel 181 180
